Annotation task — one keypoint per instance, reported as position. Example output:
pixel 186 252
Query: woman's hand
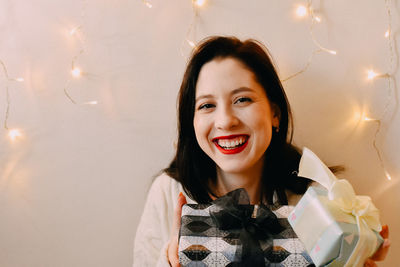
pixel 380 254
pixel 172 252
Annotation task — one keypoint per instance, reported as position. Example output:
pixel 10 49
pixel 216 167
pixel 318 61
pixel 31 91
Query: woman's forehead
pixel 224 74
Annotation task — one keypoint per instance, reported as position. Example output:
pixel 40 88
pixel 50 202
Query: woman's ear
pixel 276 115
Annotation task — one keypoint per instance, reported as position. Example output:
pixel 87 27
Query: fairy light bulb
pixel 387 33
pixel 199 2
pixel 317 19
pixel 192 44
pixel 73 31
pixel 91 103
pixel 364 117
pixel 147 3
pixel 301 11
pixel 76 72
pixel 14 134
pixel 332 52
pixel 388 175
pixel 368 119
pixel 19 79
pixel 371 74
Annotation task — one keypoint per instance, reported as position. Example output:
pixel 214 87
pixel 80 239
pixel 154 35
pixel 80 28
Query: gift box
pixel 336 227
pixel 230 232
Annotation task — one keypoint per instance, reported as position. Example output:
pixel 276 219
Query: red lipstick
pixel 233 150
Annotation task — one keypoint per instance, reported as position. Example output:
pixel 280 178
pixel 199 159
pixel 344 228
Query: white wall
pixel 73 187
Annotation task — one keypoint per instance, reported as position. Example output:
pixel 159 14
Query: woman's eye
pixel 243 99
pixel 206 106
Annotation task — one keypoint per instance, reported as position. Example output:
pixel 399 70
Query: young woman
pixel 235 131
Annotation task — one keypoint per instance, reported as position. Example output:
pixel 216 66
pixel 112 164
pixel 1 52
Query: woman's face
pixel 233 118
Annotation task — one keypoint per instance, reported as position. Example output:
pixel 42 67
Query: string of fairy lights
pixel 302 11
pixel 77 32
pixel 390 76
pixel 196 4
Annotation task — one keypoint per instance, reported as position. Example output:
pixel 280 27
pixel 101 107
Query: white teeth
pixel 231 144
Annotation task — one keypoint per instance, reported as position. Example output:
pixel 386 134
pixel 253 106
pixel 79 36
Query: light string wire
pixel 308 63
pixel 390 75
pixel 7 95
pixel 314 19
pixel 191 29
pixel 8 101
pixel 75 32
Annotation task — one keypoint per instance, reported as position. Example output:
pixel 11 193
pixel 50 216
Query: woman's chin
pixel 242 165
pixel 234 168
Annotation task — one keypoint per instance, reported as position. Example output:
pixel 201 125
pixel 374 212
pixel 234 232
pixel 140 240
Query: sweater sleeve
pixel 153 232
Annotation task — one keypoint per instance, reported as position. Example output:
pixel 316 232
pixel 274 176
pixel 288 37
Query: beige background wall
pixel 73 186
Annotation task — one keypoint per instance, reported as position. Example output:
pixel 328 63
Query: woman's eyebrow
pixel 241 90
pixel 203 96
pixel 235 91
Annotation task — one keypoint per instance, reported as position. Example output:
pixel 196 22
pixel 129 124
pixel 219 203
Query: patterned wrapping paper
pixel 202 243
pixel 329 241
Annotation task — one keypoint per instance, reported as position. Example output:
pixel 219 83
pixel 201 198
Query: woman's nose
pixel 225 119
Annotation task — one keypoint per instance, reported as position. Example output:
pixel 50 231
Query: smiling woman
pixel 235 131
pixel 231 88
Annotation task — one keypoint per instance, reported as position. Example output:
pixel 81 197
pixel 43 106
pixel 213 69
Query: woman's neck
pixel 249 179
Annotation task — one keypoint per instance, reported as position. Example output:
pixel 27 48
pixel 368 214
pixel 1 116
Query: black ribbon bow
pixel 234 212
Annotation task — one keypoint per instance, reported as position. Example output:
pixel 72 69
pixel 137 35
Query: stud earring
pixel 276 129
